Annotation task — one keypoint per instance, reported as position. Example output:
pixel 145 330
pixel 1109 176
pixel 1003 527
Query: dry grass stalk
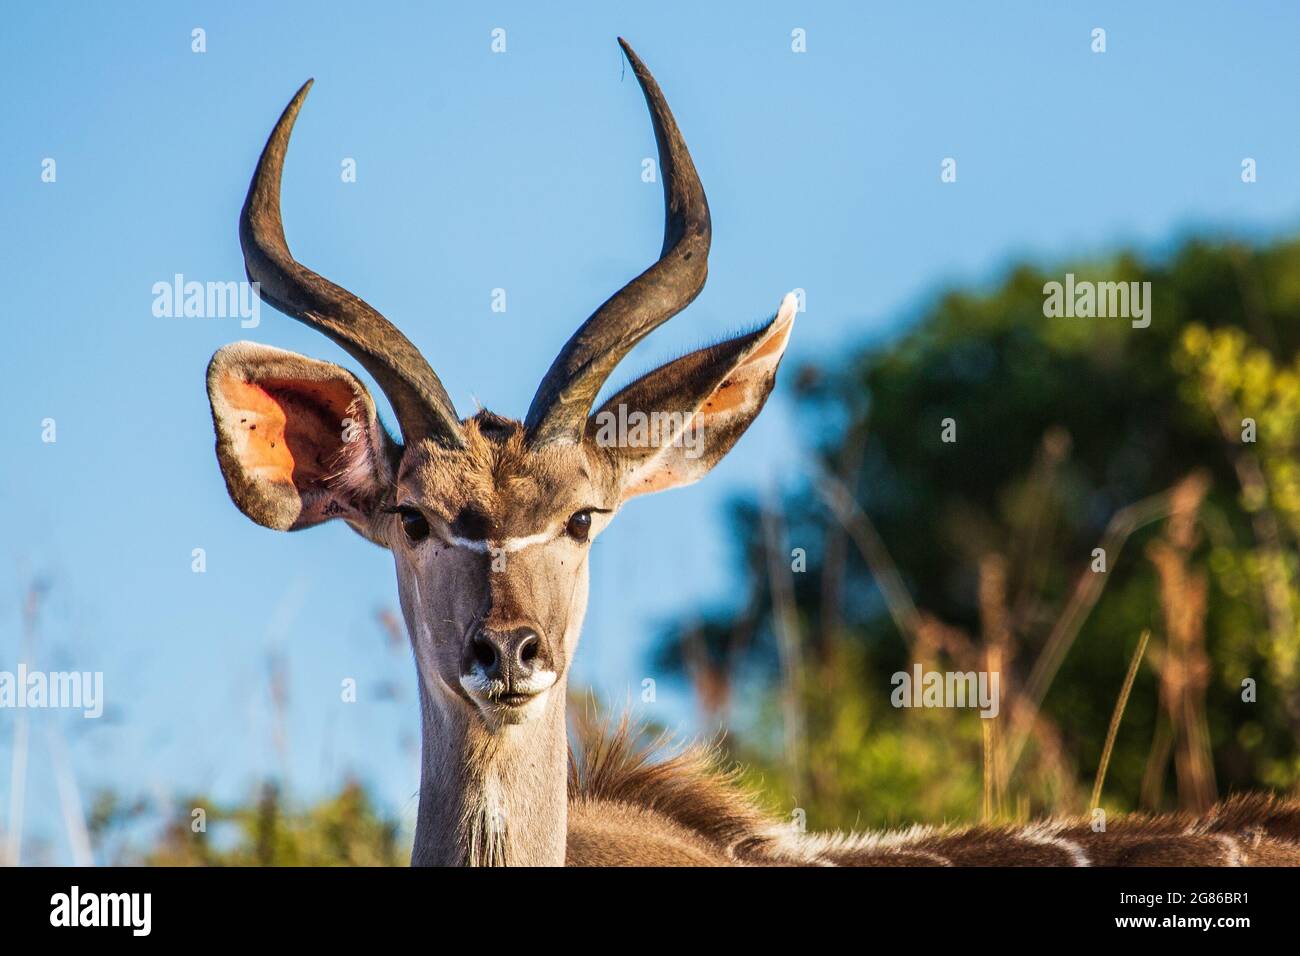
pixel 986 727
pixel 998 654
pixel 835 557
pixel 32 598
pixel 840 501
pixel 1153 777
pixel 1116 717
pixel 712 683
pixel 1183 664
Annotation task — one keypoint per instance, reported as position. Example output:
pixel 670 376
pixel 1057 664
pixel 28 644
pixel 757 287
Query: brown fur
pixel 627 808
pixel 687 792
pixel 518 490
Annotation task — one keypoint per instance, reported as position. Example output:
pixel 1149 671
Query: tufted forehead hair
pixel 496 487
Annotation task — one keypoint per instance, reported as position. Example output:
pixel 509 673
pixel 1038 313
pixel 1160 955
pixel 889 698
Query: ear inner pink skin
pixel 258 435
pixel 288 432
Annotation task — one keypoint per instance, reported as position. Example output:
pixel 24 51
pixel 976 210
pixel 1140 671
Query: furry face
pixel 491 544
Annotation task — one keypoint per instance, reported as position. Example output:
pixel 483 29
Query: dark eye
pixel 414 524
pixel 579 525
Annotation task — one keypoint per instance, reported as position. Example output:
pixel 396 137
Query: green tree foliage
pixel 1061 425
pixel 342 830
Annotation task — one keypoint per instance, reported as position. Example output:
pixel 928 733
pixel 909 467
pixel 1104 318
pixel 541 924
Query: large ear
pixel 298 440
pixel 671 426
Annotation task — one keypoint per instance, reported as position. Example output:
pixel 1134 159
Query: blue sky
pixel 519 171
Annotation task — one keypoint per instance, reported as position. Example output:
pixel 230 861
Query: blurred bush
pixel 342 830
pixel 1071 434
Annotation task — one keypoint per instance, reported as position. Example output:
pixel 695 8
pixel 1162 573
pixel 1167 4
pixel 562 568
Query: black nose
pixel 507 656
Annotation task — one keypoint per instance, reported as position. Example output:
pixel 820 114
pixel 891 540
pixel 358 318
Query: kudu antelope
pixel 490 522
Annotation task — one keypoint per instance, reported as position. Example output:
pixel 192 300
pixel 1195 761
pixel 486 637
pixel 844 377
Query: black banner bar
pixel 335 905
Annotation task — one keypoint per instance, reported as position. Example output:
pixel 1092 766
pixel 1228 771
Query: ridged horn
pixel 422 406
pixel 565 396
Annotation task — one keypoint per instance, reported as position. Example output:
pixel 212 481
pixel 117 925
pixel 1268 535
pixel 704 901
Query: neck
pixel 491 797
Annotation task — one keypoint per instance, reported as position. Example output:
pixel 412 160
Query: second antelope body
pixel 490 523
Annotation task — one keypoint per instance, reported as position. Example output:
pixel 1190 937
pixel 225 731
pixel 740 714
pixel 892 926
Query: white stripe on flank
pixel 812 848
pixel 1043 835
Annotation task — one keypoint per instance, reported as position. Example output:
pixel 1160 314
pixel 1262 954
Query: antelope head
pixel 490 520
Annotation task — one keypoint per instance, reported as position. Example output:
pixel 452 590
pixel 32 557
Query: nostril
pixel 485 653
pixel 528 649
